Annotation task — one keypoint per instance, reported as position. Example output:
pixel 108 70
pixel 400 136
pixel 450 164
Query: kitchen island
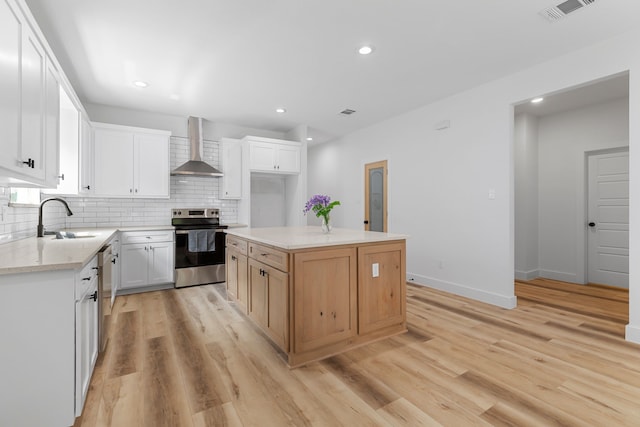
pixel 314 294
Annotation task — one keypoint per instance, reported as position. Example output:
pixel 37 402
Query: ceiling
pixel 573 98
pixel 237 61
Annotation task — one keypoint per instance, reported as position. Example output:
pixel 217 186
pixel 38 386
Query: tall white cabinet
pixel 268 161
pixel 130 162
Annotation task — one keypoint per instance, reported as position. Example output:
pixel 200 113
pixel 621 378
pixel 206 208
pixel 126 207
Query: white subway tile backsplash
pixel 91 212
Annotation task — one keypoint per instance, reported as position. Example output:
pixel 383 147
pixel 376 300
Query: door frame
pixel 385 212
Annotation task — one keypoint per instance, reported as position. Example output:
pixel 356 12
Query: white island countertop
pixel 291 238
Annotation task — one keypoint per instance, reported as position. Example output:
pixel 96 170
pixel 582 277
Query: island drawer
pixel 237 244
pixel 270 256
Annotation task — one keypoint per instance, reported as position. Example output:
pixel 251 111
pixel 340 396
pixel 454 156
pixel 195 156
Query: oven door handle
pixel 198 229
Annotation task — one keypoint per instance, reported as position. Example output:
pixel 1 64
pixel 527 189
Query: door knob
pixel 366 221
pixel 592 224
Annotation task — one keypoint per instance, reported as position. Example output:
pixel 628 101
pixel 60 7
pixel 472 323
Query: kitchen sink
pixel 73 235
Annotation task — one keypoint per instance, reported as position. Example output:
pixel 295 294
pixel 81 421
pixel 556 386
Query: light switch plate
pixel 375 269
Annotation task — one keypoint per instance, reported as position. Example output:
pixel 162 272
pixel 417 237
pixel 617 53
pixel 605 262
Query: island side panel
pixel 381 287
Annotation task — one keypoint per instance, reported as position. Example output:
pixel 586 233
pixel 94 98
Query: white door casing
pixel 608 219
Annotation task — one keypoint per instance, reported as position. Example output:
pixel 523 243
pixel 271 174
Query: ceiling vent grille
pixel 557 12
pixel 347 111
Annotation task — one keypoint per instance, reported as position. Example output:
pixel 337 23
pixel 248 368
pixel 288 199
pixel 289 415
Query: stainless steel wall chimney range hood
pixel 195 166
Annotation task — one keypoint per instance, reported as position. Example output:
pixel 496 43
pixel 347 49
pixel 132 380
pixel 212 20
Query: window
pixel 24 196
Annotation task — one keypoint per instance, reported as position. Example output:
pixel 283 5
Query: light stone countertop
pixel 47 253
pixel 290 238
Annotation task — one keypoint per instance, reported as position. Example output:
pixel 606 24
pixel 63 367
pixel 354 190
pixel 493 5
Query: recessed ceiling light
pixel 365 50
pixel 280 110
pixel 140 83
pixel 536 100
pixel 309 138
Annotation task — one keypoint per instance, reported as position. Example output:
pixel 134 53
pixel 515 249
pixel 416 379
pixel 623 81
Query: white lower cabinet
pixel 49 339
pixel 146 258
pixel 86 330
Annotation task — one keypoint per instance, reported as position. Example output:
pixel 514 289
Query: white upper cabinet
pixel 151 171
pixel 52 126
pixel 231 168
pixel 86 157
pixel 30 80
pixel 130 162
pixel 273 155
pixel 32 150
pixel 10 40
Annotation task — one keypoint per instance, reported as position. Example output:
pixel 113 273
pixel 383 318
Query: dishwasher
pixel 105 282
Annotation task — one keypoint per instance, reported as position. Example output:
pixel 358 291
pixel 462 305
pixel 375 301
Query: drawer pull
pixel 86 278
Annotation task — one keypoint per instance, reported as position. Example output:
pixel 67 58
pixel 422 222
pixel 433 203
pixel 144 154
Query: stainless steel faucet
pixel 41 231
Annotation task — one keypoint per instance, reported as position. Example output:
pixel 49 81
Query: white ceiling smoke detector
pixel 559 11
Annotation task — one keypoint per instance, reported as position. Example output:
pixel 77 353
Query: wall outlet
pixel 375 269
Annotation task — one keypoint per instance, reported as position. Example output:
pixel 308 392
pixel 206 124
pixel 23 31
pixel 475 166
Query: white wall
pixel 439 180
pixel 525 157
pixel 563 140
pixel 268 203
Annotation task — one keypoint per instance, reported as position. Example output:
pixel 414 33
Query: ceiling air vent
pixel 347 111
pixel 557 12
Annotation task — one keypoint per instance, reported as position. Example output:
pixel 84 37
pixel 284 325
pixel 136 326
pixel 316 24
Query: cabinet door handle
pixel 88 187
pixel 94 296
pixel 30 163
pixel 113 260
pixel 233 258
pixel 136 190
pixel 86 278
pixel 131 190
pixel 61 177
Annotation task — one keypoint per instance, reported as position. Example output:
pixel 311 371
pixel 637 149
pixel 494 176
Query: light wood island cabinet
pixel 316 295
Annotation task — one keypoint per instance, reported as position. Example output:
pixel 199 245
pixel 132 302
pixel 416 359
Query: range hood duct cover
pixel 195 166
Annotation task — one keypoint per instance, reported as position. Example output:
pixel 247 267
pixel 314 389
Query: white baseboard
pixel 527 275
pixel 504 301
pixel 559 275
pixel 632 333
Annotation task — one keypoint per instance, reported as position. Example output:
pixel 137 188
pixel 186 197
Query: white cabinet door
pixel 10 41
pixel 86 181
pixel 133 265
pixel 274 157
pixel 232 169
pixel 151 165
pixel 130 162
pixel 288 159
pixel 33 104
pixel 86 334
pixel 113 154
pixel 161 261
pixel 262 157
pixel 52 126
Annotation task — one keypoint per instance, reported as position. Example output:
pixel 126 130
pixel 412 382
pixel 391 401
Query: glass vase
pixel 326 224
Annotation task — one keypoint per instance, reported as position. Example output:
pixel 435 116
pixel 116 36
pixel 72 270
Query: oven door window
pixel 185 258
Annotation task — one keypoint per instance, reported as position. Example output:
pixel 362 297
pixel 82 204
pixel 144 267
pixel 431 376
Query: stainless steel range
pixel 200 246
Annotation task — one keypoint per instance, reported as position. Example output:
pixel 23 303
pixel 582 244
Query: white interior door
pixel 608 219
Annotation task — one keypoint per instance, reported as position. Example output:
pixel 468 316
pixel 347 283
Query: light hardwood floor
pixel 187 358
